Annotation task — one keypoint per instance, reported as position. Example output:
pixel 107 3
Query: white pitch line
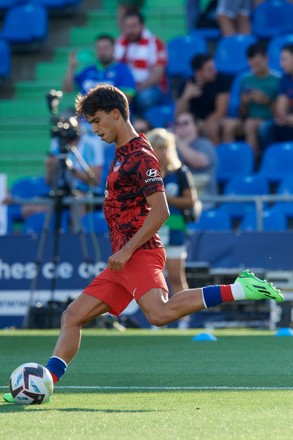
pixel 142 388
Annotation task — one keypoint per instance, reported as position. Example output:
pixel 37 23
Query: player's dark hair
pixel 105 37
pixel 134 13
pixel 199 60
pixel 288 47
pixel 256 49
pixel 104 97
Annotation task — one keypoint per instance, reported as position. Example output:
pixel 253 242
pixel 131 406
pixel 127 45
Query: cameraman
pixel 89 147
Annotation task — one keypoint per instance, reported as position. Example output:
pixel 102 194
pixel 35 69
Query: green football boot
pixel 255 288
pixel 8 397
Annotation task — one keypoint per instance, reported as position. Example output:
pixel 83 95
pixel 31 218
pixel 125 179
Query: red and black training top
pixel 134 174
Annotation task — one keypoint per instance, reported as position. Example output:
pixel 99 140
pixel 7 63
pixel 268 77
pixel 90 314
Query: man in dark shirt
pixel 206 96
pixel 135 208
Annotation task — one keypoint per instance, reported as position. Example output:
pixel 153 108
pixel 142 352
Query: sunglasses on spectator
pixel 183 122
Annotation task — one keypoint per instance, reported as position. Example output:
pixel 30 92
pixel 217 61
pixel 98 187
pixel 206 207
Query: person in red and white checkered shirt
pixel 146 56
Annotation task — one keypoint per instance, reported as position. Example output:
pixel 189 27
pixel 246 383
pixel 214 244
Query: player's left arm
pixel 156 217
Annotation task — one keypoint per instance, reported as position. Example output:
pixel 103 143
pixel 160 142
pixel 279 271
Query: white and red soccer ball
pixel 31 384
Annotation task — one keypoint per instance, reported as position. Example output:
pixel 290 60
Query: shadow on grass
pixel 12 408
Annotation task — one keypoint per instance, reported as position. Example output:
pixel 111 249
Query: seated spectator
pixel 258 91
pixel 141 125
pixel 106 70
pixel 146 56
pixel 181 195
pixel 206 96
pixel 281 127
pixel 198 153
pixel 234 16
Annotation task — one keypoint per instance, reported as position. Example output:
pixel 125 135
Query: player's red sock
pixel 54 377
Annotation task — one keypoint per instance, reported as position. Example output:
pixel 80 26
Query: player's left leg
pixel 81 311
pixel 161 311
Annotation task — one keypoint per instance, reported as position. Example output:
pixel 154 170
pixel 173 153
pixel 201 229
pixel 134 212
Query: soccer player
pixel 135 208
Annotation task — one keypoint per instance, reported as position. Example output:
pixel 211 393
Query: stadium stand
pixel 31 140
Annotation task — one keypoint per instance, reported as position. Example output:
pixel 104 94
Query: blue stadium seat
pixel 285 188
pixel 212 220
pixel 274 50
pixel 180 52
pixel 34 224
pixel 230 53
pixel 26 188
pixel 252 185
pixel 213 34
pixel 273 220
pixel 234 98
pixel 26 24
pixel 94 222
pixel 6 4
pixel 29 187
pixel 59 3
pixel 272 18
pixel 234 159
pixel 277 161
pixel 5 57
pixel 160 115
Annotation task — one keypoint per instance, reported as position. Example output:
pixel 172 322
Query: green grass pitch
pixel 156 385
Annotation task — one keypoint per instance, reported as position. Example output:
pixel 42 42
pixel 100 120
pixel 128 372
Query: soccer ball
pixel 31 384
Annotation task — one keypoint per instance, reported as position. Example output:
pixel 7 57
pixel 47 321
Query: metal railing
pixel 258 200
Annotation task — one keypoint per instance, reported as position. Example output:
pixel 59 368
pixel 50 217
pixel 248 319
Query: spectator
pixel 206 96
pixel 141 125
pixel 281 127
pixel 181 194
pixel 146 55
pixel 125 6
pixel 200 14
pixel 258 91
pixel 198 153
pixel 234 16
pixel 106 70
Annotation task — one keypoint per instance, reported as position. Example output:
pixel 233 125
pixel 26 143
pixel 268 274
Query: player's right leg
pixel 160 311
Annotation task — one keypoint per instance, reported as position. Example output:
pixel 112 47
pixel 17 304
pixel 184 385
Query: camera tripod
pixel 62 189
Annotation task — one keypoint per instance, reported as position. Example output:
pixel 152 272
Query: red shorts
pixel 143 272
